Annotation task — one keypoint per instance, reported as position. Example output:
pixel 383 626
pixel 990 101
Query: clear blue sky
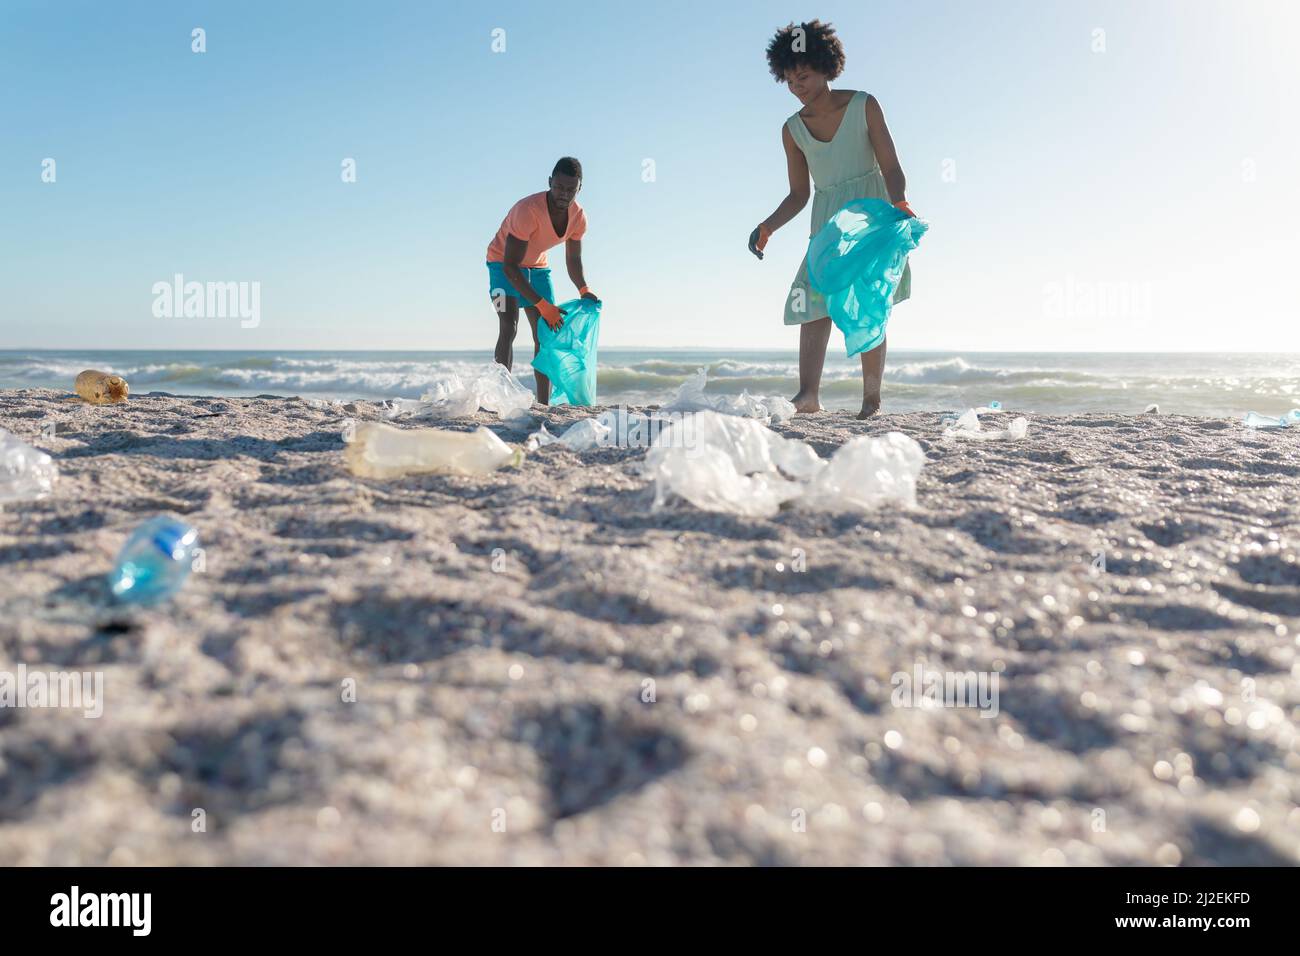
pixel 1163 166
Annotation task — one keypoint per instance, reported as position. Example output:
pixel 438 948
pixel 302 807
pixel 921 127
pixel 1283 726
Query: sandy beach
pixel 545 671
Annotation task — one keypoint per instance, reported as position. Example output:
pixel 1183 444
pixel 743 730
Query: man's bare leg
pixel 543 383
pixel 813 337
pixel 507 326
pixel 873 369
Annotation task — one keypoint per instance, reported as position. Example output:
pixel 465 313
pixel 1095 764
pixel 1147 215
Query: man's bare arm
pixel 573 261
pixel 511 265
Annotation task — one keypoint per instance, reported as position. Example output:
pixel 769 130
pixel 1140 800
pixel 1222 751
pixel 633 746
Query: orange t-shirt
pixel 530 220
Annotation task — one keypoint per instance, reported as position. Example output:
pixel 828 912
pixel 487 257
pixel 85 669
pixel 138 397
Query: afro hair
pixel 813 44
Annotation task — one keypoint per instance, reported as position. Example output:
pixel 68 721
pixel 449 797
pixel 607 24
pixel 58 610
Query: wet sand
pixel 545 671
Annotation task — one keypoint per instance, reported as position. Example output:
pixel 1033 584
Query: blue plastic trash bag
pixel 856 261
pixel 568 357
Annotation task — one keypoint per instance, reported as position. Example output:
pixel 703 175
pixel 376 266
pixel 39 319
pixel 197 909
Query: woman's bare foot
pixel 873 368
pixel 805 404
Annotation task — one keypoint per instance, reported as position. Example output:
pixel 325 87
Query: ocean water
pixel 1044 382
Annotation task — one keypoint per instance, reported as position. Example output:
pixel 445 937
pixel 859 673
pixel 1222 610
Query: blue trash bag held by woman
pixel 568 357
pixel 856 262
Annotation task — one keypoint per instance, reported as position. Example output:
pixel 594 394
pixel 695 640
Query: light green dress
pixel 842 170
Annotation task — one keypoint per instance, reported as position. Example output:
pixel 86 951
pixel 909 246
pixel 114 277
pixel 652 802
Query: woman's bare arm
pixel 797 168
pixel 883 145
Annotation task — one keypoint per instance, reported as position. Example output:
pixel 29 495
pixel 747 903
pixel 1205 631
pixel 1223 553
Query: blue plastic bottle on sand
pixel 155 561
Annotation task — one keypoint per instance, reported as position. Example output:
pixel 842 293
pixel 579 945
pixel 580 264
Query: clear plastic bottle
pixel 155 561
pixel 26 473
pixel 101 388
pixel 382 451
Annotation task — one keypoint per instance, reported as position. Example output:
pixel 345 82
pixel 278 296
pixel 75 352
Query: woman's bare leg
pixel 873 369
pixel 813 337
pixel 543 383
pixel 507 326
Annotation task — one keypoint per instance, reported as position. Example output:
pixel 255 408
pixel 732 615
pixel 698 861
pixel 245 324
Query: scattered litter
pixel 518 418
pixel 690 397
pixel 1152 409
pixel 1256 420
pixel 102 388
pixel 156 560
pixel 586 434
pixel 383 451
pixel 567 356
pixel 867 472
pixel 491 387
pixel 616 428
pixel 539 439
pixel 968 426
pixel 613 427
pixel 26 473
pixel 737 465
pixel 856 261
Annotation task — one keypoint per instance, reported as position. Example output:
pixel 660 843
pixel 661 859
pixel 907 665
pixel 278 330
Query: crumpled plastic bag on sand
pixel 580 436
pixel 491 387
pixel 690 397
pixel 739 466
pixel 614 427
pixel 26 473
pixel 968 426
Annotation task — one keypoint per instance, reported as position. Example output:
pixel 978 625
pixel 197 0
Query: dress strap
pixel 859 107
pixel 799 131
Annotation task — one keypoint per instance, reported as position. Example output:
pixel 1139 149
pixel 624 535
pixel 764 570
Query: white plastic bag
pixel 968 426
pixel 867 472
pixel 614 427
pixel 491 387
pixel 538 439
pixel 499 391
pixel 691 397
pixel 724 463
pixel 26 473
pixel 586 434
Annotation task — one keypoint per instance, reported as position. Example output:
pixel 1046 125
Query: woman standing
pixel 839 137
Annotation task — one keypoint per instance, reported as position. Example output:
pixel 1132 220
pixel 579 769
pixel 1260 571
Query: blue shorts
pixel 499 285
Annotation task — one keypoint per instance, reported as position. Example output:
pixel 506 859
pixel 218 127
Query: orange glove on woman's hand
pixel 902 204
pixel 554 317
